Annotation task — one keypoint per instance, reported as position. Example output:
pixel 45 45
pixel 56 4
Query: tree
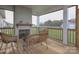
pixel 56 23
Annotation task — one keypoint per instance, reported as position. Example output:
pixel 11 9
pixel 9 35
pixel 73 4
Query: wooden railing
pixel 71 36
pixel 34 30
pixel 9 31
pixel 54 33
pixel 57 34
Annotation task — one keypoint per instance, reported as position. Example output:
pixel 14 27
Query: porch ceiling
pixel 44 9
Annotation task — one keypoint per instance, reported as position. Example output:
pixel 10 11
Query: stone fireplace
pixel 23 30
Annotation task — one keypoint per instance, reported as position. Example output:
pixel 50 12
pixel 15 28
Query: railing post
pixel 65 19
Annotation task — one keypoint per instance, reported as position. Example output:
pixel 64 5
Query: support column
pixel 38 21
pixel 65 19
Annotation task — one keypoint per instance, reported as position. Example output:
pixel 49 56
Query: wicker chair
pixel 37 38
pixel 7 39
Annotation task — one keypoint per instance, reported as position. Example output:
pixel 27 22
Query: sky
pixel 51 16
pixel 9 16
pixel 55 16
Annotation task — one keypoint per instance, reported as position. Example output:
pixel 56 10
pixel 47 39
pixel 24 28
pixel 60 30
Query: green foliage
pixel 57 23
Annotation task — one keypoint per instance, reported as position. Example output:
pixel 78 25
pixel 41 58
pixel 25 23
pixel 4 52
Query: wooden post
pixel 77 26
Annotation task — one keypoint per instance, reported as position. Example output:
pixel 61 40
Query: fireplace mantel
pixel 23 25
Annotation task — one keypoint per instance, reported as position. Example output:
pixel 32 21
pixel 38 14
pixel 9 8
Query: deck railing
pixel 55 33
pixel 9 31
pixel 71 36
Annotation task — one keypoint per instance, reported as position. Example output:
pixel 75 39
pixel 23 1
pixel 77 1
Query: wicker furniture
pixel 4 38
pixel 37 38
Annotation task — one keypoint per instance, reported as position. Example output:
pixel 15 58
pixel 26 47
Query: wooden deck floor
pixel 54 47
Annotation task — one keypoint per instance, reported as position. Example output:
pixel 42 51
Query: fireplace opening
pixel 23 33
